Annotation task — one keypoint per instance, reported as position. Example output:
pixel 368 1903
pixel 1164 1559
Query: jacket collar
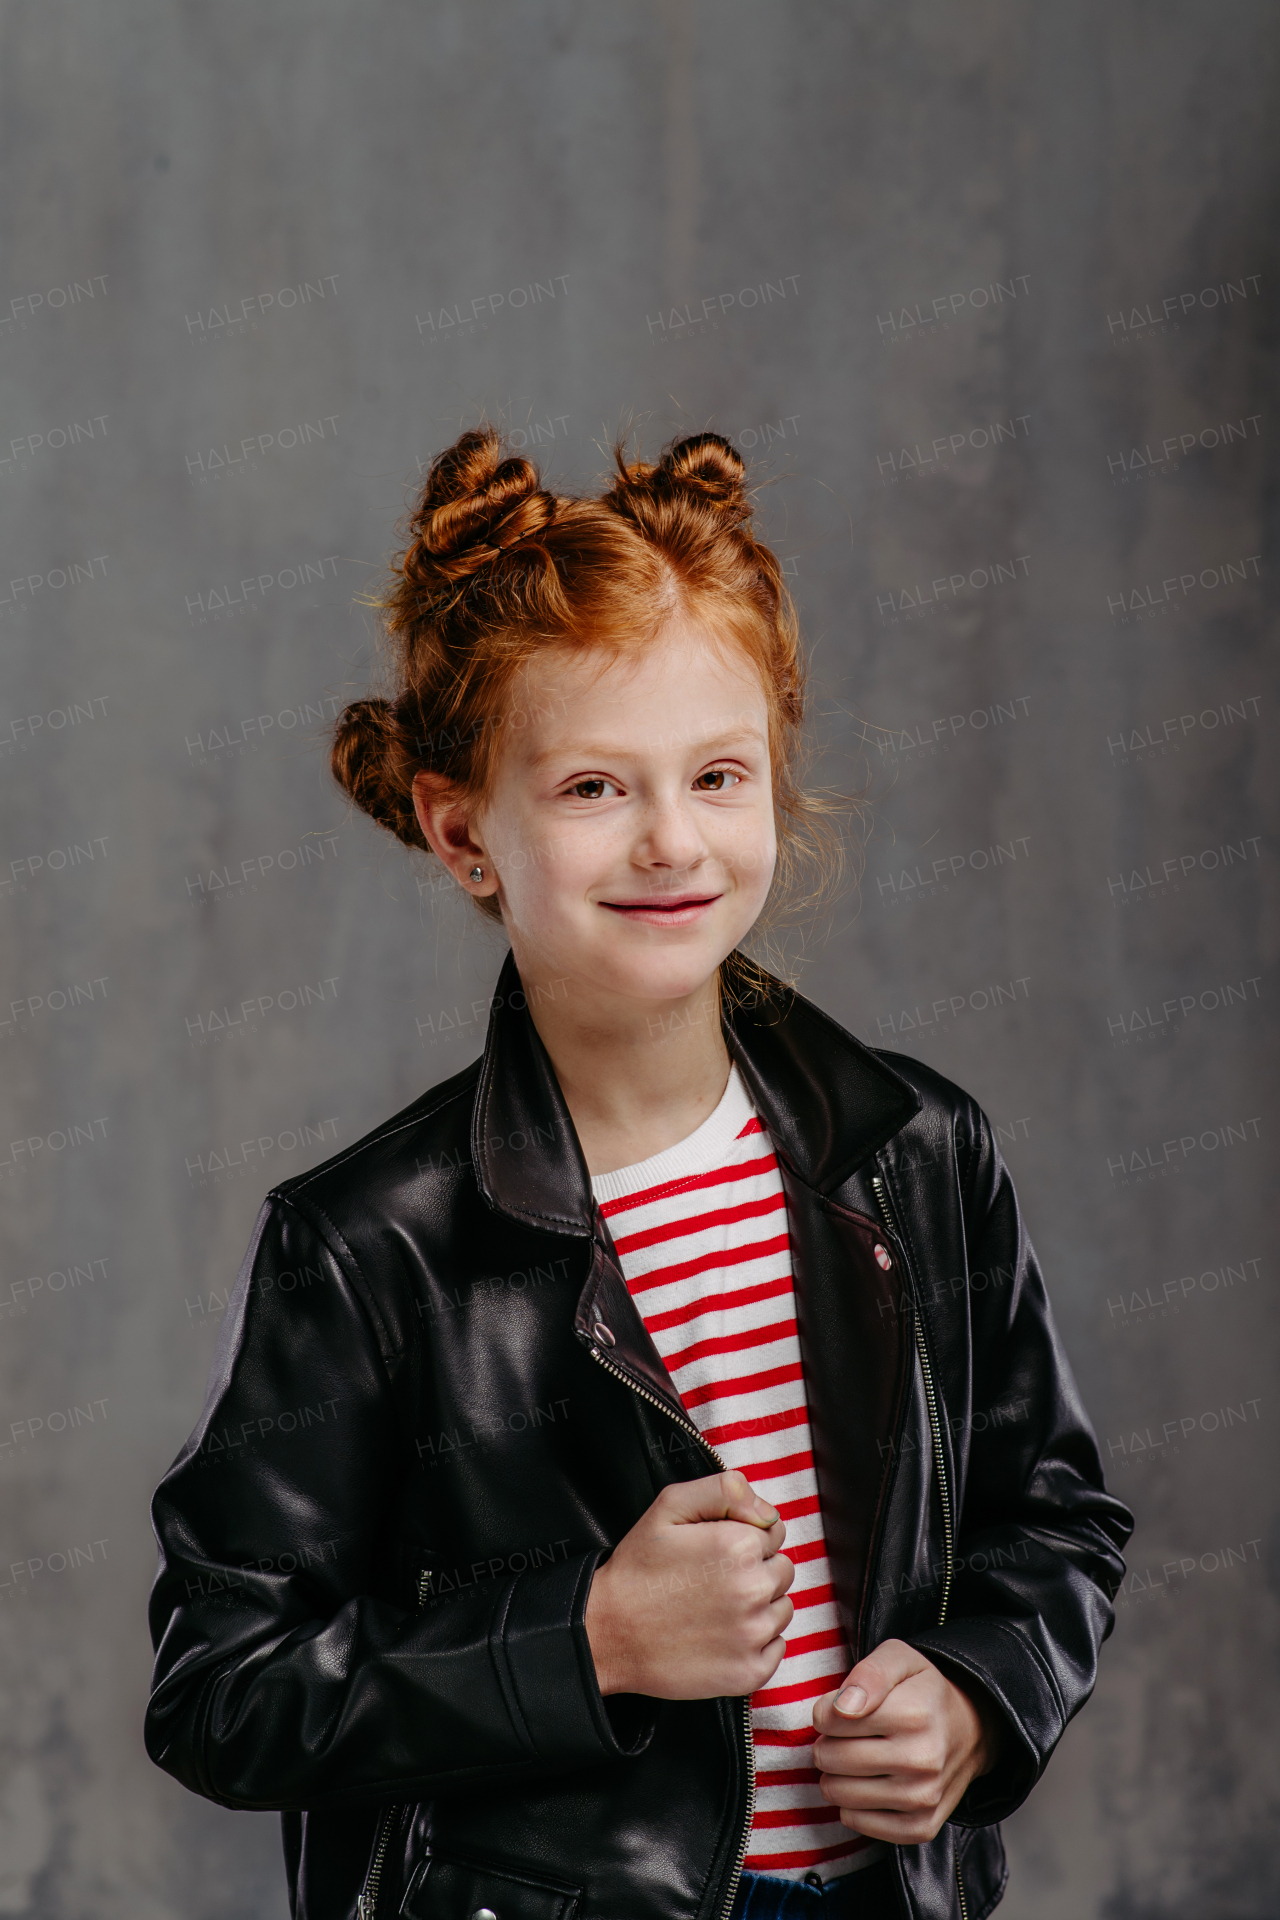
pixel 828 1102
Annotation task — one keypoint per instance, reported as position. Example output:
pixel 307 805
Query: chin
pixel 660 977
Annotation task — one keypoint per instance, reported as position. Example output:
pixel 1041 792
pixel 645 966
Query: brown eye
pixel 593 788
pixel 716 781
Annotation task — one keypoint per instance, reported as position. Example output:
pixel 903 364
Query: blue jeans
pixel 867 1895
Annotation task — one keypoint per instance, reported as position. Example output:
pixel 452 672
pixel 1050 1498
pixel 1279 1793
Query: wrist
pixel 602 1635
pixel 993 1733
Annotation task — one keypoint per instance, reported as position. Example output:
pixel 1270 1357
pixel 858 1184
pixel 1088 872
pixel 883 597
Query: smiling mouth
pixel 678 908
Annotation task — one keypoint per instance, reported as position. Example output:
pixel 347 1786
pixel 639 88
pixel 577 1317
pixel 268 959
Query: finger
pixel 899 1829
pixel 870 1757
pixel 784 1573
pixel 896 1807
pixel 731 1542
pixel 720 1496
pixel 888 1721
pixel 868 1685
pixel 869 1792
pixel 867 1722
pixel 771 1539
pixel 774 1651
pixel 907 1709
pixel 778 1615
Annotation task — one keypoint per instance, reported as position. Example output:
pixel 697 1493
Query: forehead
pixel 698 682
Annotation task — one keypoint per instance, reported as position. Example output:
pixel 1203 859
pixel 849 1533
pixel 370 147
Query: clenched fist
pixel 692 1601
pixel 898 1743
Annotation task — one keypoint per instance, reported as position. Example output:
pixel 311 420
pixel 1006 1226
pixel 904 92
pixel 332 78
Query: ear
pixel 446 822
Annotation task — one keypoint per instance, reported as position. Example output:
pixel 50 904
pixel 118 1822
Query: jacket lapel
pixel 523 1145
pixel 828 1103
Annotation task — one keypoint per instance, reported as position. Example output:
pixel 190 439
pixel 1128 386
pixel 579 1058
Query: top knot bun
pixel 703 469
pixel 477 503
pixel 710 465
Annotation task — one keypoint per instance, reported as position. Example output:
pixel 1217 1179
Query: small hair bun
pixel 709 463
pixel 367 750
pixel 704 467
pixel 477 502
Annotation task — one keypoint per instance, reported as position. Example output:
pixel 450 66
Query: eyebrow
pixel 617 750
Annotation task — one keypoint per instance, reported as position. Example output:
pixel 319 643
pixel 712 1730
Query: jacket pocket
pixel 452 1889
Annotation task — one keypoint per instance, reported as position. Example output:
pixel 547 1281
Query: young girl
pixel 641 1480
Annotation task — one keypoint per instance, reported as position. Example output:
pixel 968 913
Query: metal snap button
pixel 813 1879
pixel 882 1256
pixel 603 1335
pixel 484 1913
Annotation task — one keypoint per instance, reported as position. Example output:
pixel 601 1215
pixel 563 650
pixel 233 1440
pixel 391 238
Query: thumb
pixel 874 1678
pixel 720 1496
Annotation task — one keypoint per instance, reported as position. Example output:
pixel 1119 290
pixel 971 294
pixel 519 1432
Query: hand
pixel 897 1757
pixel 692 1601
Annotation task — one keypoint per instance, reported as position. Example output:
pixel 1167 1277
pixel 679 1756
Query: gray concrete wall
pixel 1025 248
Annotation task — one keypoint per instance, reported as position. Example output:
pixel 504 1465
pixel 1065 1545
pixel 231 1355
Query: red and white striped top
pixel 701 1233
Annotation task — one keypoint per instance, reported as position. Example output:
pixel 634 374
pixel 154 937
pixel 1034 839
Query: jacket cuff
pixel 1008 1673
pixel 544 1658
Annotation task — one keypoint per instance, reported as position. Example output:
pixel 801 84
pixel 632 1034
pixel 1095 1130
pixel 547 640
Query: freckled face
pixel 630 826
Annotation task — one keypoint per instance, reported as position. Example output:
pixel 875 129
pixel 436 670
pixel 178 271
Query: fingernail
pixel 852 1700
pixel 773 1516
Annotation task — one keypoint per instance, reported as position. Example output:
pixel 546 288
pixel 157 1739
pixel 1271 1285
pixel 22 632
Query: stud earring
pixel 477 874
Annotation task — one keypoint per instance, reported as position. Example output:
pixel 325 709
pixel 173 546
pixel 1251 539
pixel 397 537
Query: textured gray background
pixel 642 162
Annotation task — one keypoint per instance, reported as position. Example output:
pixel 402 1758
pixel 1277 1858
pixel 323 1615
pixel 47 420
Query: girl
pixel 641 1480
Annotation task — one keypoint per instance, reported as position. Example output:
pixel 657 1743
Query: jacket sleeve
pixel 1038 1541
pixel 282 1679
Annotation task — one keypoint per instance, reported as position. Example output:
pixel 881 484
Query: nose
pixel 670 841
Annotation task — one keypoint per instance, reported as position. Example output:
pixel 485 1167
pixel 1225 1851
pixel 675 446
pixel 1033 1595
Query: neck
pixel 635 1078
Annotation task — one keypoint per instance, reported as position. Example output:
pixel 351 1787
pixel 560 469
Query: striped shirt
pixel 701 1233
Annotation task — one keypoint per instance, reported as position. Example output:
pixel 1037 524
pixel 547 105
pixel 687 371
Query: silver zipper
pixel 367 1904
pixel 687 1426
pixel 935 1426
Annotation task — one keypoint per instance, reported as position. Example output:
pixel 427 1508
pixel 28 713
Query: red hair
pixel 497 569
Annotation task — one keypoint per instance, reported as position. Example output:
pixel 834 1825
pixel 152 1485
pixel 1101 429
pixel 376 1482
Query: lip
pixel 680 910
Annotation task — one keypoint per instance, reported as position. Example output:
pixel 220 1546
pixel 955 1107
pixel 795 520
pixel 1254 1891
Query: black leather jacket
pixel 434 1409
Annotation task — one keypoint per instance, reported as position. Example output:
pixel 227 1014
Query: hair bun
pixel 367 749
pixel 478 501
pixel 704 468
pixel 709 463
